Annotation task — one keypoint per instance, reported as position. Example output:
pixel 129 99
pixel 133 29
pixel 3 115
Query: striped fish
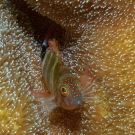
pixel 66 90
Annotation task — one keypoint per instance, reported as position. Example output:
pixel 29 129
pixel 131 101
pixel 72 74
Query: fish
pixel 65 89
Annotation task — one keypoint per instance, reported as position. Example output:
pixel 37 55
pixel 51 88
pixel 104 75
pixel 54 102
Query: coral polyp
pixel 98 33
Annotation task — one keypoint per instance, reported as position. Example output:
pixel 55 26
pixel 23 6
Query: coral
pixel 18 112
pixel 99 34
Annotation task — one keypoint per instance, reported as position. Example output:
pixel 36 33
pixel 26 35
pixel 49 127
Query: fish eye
pixel 64 91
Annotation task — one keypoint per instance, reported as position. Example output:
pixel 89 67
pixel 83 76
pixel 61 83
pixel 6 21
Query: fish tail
pixel 49 34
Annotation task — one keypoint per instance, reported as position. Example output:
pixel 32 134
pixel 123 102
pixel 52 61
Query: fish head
pixel 69 92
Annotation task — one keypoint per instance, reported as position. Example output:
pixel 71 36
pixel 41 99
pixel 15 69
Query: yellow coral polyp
pixel 7 119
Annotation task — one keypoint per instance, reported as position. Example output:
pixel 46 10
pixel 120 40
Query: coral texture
pixel 100 34
pixel 18 55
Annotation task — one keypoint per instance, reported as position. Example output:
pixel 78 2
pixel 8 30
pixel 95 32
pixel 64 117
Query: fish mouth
pixel 77 102
pixel 70 101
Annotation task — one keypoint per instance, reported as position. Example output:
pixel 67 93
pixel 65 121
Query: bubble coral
pixel 99 33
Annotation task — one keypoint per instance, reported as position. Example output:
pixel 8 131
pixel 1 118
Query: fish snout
pixel 77 101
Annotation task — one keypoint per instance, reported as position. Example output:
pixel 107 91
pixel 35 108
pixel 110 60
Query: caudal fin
pixel 49 35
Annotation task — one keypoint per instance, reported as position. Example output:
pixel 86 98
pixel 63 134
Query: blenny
pixel 66 90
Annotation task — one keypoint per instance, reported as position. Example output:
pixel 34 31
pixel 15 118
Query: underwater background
pixel 97 33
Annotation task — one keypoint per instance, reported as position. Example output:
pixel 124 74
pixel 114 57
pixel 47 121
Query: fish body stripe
pixel 50 70
pixel 54 71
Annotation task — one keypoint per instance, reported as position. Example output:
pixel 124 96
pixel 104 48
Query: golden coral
pixel 18 113
pixel 104 39
pixel 102 36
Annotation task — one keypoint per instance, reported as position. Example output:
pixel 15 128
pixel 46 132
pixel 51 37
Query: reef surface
pixel 98 33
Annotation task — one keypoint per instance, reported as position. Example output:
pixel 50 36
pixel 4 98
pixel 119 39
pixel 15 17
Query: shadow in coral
pixel 39 24
pixel 69 119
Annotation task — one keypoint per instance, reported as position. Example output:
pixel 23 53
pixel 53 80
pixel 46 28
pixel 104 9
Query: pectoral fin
pixel 45 102
pixel 41 94
pixel 87 81
pixel 85 76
